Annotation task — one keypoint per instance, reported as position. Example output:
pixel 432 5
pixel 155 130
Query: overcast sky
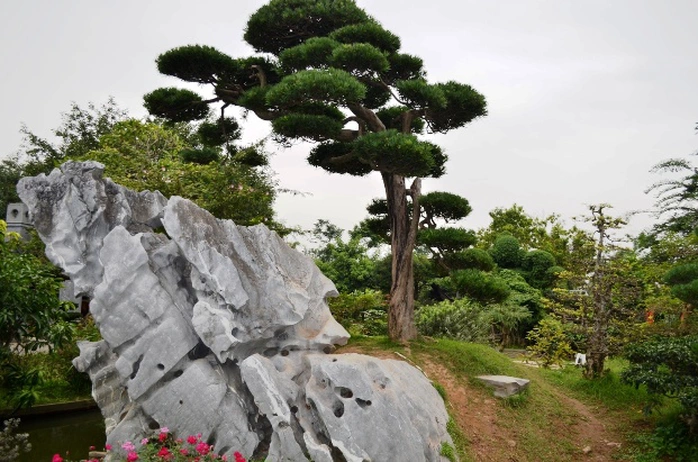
pixel 584 97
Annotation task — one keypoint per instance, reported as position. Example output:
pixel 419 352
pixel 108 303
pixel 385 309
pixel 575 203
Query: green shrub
pixel 549 342
pixel 667 367
pixel 460 319
pixel 361 312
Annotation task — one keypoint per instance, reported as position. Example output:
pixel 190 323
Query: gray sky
pixel 584 96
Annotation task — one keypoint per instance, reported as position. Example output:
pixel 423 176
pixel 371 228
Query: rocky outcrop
pixel 223 330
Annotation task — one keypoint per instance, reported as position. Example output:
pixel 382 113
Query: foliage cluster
pixel 668 367
pixel 361 312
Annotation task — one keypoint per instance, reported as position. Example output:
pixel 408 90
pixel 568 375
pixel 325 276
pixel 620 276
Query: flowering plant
pixel 164 447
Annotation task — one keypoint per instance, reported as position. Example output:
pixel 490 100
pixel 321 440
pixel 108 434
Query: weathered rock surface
pixel 223 330
pixel 504 386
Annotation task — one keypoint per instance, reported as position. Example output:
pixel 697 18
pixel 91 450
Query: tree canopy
pixel 331 74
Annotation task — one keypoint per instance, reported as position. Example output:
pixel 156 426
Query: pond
pixel 66 433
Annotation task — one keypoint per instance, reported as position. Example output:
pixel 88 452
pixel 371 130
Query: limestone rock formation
pixel 223 330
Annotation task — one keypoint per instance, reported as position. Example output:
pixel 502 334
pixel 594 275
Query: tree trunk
pixel 597 349
pixel 403 232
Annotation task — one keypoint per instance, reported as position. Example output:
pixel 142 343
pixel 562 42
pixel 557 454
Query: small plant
pixel 549 342
pixel 11 443
pixel 448 452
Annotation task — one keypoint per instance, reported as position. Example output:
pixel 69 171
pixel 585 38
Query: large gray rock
pixel 222 330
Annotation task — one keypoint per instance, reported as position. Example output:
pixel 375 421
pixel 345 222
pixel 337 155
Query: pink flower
pixel 191 439
pixel 203 448
pixel 92 448
pixel 184 452
pixel 144 441
pixel 128 446
pixel 238 457
pixel 165 453
pixel 131 457
pixel 224 458
pixel 57 458
pixel 107 447
pixel 162 437
pixel 164 430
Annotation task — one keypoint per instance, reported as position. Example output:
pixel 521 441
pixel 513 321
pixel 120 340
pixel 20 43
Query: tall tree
pixel 333 75
pixel 602 284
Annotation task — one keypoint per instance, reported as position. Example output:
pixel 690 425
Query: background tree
pixel 547 234
pixel 676 207
pixel 454 268
pixel 333 75
pixel 601 289
pixel 78 133
pixel 347 264
pixel 198 161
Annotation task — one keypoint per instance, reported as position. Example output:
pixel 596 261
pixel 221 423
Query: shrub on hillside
pixel 460 319
pixel 549 342
pixel 667 367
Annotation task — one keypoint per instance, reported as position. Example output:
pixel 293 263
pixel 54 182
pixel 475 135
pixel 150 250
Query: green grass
pixel 607 390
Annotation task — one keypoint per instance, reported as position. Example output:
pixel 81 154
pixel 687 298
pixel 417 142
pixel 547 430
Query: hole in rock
pixel 199 351
pixel 235 331
pixel 338 409
pixel 269 352
pixel 178 373
pixel 294 409
pixel 283 424
pixel 153 424
pixel 363 403
pixel 136 366
pixel 334 360
pixel 181 402
pixel 327 350
pixel 344 392
pixel 284 352
pixel 161 367
pixel 211 441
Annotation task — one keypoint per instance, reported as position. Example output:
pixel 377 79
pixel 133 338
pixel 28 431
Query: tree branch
pixel 361 122
pixel 370 117
pixel 258 72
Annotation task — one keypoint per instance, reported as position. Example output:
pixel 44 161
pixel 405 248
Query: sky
pixel 584 97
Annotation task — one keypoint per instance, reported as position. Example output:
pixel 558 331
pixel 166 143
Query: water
pixel 69 433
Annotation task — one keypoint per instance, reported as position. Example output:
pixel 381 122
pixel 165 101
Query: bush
pixel 507 252
pixel 361 312
pixel 549 342
pixel 460 320
pixel 667 367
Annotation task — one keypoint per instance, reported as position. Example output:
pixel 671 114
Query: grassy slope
pixel 560 415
